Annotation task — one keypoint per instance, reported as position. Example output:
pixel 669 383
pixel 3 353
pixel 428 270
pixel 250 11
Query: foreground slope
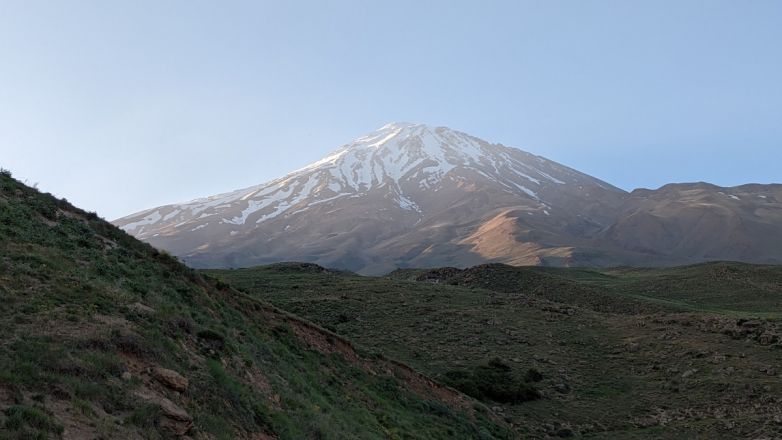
pixel 691 352
pixel 105 337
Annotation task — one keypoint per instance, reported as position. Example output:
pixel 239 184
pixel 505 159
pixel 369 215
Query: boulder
pixel 173 419
pixel 170 379
pixel 767 338
pixel 141 309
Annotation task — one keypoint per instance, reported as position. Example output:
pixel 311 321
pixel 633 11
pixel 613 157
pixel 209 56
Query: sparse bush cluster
pixel 495 381
pixel 30 422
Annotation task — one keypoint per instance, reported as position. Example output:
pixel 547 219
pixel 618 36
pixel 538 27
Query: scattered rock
pixel 562 388
pixel 60 392
pixel 126 376
pixel 141 309
pixel 174 420
pixel 565 433
pixel 170 378
pixel 689 373
pixel 767 338
pixel 752 323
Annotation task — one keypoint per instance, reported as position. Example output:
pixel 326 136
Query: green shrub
pixel 145 416
pixel 215 338
pixel 20 417
pixel 533 375
pixel 495 381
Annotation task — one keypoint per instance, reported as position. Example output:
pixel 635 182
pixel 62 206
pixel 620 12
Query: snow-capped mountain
pixel 392 183
pixel 402 159
pixel 407 195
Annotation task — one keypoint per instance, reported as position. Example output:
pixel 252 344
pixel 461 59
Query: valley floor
pixel 622 354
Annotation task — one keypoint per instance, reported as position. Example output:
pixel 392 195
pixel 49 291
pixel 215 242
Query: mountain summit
pixel 406 194
pixel 402 154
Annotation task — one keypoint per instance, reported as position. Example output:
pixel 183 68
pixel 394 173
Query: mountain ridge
pixel 411 194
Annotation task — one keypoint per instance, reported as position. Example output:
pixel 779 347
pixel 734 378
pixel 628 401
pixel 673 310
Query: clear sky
pixel 126 105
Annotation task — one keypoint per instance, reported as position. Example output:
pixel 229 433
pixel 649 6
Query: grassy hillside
pixel 722 287
pixel 621 356
pixel 104 337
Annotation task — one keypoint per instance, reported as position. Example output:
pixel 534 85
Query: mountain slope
pixel 689 223
pixel 406 194
pixel 411 195
pixel 105 337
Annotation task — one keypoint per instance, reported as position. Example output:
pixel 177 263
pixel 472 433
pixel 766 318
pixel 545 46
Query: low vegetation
pixel 105 337
pixel 691 352
pixel 495 381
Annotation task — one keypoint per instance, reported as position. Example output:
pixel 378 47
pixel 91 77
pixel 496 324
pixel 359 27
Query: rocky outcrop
pixel 170 378
pixel 173 419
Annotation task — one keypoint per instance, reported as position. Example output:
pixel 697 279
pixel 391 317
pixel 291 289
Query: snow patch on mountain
pixel 148 220
pixel 404 160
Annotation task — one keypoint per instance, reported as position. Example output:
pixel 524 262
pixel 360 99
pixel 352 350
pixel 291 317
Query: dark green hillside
pixel 535 281
pixel 721 287
pixel 104 337
pixel 615 362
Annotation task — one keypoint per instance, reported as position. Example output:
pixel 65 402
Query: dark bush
pixel 533 375
pixel 495 381
pixel 211 335
pixel 212 339
pixel 19 416
pixel 180 324
pixel 131 343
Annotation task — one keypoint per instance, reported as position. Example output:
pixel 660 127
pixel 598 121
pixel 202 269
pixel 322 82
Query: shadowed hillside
pixel 722 287
pixel 105 337
pixel 619 354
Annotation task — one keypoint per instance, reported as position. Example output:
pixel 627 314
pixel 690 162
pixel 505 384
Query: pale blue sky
pixel 121 106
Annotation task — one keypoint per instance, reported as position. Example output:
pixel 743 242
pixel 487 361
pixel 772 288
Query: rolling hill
pixel 106 337
pixel 627 353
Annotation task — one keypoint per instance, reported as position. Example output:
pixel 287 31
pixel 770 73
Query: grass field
pixel 624 353
pixel 105 337
pixel 721 287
